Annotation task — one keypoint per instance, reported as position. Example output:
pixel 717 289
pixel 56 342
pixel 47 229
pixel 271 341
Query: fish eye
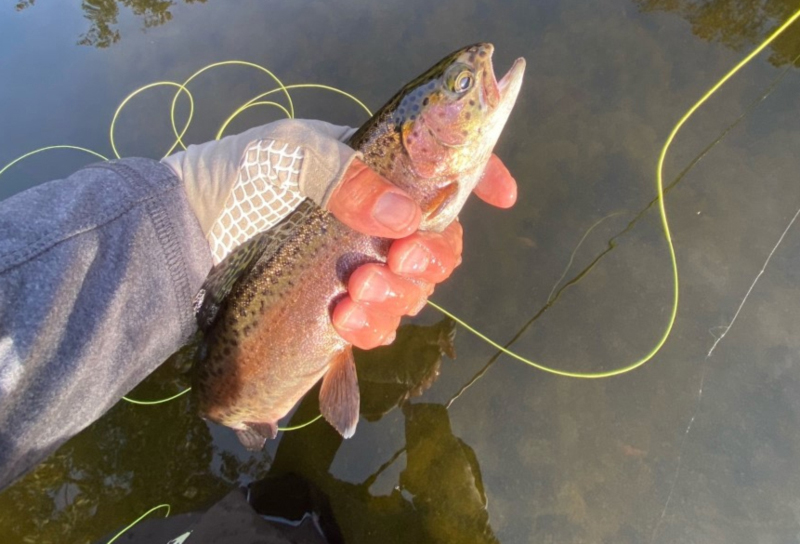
pixel 459 79
pixel 464 82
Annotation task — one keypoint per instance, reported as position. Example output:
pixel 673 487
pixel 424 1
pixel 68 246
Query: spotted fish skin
pixel 235 382
pixel 265 310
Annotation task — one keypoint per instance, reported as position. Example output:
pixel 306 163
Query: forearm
pixel 97 276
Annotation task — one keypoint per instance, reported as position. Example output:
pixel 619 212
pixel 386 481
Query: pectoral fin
pixel 440 201
pixel 339 397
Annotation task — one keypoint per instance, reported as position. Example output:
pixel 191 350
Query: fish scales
pixel 266 308
pixel 278 284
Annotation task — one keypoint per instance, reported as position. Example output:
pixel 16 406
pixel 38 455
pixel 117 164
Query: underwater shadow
pixel 438 495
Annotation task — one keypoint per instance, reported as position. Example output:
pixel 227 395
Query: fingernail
pixel 355 319
pixel 415 261
pixel 395 211
pixel 374 289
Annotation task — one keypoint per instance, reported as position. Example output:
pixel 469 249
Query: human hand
pixel 380 294
pixel 247 183
pixel 268 170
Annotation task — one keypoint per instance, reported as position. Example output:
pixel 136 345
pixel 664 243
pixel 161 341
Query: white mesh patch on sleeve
pixel 266 191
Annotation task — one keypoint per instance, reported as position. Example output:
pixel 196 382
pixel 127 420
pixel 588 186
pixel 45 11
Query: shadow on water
pixel 438 496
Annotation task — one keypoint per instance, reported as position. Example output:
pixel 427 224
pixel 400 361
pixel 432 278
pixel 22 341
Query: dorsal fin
pixel 240 261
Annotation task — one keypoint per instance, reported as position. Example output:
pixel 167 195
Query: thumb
pixel 368 203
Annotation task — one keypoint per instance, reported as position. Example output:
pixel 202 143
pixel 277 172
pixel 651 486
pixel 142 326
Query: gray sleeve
pixel 97 275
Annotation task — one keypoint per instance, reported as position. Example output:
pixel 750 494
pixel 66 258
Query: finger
pixel 385 291
pixel 368 203
pixel 497 186
pixel 427 256
pixel 363 326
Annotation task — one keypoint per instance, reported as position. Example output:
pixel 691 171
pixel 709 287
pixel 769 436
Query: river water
pixel 691 447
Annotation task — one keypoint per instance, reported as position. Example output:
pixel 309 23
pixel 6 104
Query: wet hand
pixel 380 294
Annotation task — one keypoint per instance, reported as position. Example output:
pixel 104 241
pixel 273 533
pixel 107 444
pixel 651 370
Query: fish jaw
pixel 508 90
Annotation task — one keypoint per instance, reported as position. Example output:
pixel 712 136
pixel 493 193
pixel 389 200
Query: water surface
pixel 688 448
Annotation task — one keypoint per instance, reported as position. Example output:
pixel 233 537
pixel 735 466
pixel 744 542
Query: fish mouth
pixel 505 90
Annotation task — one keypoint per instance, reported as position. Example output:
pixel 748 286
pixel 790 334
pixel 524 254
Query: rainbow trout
pixel 265 309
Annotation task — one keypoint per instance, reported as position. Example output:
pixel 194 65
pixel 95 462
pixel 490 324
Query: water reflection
pixel 737 23
pixel 103 16
pixel 560 460
pixel 389 376
pixel 438 495
pixel 123 459
pixel 128 458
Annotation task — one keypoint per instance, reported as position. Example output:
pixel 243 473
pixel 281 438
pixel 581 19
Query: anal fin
pixel 339 397
pixel 254 435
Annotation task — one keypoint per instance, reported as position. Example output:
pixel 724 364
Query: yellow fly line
pixel 667 236
pixel 140 518
pixel 289 112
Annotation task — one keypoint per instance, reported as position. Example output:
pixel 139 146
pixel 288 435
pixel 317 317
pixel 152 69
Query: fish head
pixel 449 120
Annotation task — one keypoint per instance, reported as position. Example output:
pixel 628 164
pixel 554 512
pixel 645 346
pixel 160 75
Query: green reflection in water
pixel 429 490
pixel 737 23
pixel 600 472
pixel 124 461
pixel 103 16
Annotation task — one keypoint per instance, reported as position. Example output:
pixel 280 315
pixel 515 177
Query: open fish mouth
pixel 498 92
